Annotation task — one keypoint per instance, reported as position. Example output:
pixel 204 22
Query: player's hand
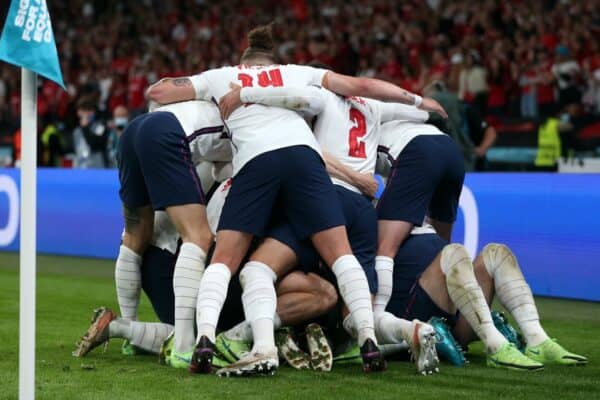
pixel 231 101
pixel 431 105
pixel 368 184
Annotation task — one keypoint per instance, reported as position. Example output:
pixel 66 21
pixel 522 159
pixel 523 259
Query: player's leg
pixel 515 295
pixel 312 207
pixel 105 325
pixel 410 304
pixel 273 259
pixel 467 296
pixel 174 186
pixel 403 205
pixel 246 213
pixel 138 217
pixel 444 202
pixel 191 223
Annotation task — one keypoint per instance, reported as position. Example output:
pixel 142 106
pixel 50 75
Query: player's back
pixel 203 126
pixel 254 128
pixel 348 129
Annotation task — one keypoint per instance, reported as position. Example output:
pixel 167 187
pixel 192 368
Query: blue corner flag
pixel 28 41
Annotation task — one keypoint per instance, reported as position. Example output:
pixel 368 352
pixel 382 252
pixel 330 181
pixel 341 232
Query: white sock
pixel 354 289
pixel 392 330
pixel 146 335
pixel 186 282
pixel 384 266
pixel 260 301
pixel 349 327
pixel 128 279
pixel 211 297
pixel 243 330
pixel 513 291
pixel 468 297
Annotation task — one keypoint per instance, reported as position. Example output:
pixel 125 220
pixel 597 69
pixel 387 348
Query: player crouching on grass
pixel 435 279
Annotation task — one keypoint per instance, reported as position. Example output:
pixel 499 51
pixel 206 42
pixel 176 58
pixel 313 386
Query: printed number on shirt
pixel 265 78
pixel 357 147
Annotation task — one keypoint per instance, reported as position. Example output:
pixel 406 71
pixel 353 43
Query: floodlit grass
pixel 69 289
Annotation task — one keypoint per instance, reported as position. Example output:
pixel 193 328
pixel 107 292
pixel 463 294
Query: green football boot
pixel 507 330
pixel 231 350
pixel 351 355
pixel 550 352
pixel 508 356
pixel 128 349
pixel 447 347
pixel 166 348
pixel 218 361
pixel 180 360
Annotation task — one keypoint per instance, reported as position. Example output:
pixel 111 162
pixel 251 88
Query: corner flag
pixel 28 41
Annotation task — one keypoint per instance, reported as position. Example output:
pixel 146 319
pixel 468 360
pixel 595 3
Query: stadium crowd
pixel 515 58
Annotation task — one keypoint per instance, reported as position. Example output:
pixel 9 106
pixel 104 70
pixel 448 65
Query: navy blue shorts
pixel 155 165
pixel 426 179
pixel 291 180
pixel 361 227
pixel 409 300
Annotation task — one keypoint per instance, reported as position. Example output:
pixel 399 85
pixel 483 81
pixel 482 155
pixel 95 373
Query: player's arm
pixel 397 111
pixel 377 89
pixel 366 183
pixel 173 90
pixel 309 99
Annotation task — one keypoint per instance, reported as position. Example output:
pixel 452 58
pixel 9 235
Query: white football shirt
pixel 256 129
pixel 394 137
pixel 349 129
pixel 204 128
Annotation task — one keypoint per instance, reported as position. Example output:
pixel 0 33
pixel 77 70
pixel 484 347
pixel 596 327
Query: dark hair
pixel 86 103
pixel 260 43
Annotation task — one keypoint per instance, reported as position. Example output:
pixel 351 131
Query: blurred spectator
pixel 117 124
pixel 90 138
pixel 546 91
pixel 567 73
pixel 528 82
pixel 482 134
pixel 472 84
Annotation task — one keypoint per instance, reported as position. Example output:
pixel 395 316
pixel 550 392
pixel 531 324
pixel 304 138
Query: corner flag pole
pixel 27 274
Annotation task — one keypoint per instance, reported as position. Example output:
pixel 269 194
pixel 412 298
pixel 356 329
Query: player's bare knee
pixel 202 238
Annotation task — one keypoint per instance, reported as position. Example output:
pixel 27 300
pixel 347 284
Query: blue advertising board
pixel 551 221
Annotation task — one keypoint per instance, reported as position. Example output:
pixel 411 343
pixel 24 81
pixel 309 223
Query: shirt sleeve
pixel 398 111
pixel 200 84
pixel 311 76
pixel 309 100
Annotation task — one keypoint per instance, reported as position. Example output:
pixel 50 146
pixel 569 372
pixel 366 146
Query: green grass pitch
pixel 69 288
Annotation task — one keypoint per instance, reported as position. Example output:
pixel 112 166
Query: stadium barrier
pixel 551 221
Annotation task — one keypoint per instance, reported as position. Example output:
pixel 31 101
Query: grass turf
pixel 69 288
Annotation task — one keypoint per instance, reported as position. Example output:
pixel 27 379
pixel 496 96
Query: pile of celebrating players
pixel 248 203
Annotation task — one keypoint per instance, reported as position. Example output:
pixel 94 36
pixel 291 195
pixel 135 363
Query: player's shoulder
pixel 200 105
